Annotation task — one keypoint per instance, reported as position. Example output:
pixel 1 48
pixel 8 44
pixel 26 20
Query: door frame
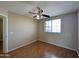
pixel 5 33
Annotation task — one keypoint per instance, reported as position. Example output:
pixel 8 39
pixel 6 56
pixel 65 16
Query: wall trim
pixel 60 45
pixel 5 32
pixel 21 46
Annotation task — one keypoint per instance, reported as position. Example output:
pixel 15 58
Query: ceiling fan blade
pixel 31 12
pixel 34 16
pixel 46 15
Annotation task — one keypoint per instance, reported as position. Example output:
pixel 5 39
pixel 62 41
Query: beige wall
pixel 22 30
pixel 3 11
pixel 68 37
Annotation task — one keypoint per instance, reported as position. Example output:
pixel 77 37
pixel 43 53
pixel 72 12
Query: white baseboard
pixel 22 45
pixel 60 45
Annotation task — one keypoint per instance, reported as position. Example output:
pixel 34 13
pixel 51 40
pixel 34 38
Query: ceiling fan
pixel 39 14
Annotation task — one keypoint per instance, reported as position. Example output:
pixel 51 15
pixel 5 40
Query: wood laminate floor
pixel 40 49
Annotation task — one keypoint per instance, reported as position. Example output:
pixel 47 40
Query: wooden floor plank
pixel 40 49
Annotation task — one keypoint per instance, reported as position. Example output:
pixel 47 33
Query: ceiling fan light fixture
pixel 39 14
pixel 37 17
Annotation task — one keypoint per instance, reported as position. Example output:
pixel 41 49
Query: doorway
pixel 1 34
pixel 4 45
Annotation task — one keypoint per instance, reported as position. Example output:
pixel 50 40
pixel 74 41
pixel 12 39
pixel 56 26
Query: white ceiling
pixel 51 8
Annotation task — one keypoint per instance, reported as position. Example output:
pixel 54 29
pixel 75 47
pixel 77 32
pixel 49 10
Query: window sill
pixel 53 32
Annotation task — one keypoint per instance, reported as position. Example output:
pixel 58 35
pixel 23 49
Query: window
pixel 52 26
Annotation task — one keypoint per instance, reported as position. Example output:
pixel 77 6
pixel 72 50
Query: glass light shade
pixel 37 17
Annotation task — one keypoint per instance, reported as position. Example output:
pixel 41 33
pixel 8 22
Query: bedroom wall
pixel 22 30
pixel 67 38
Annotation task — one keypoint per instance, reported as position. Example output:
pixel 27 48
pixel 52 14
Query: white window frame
pixel 51 26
